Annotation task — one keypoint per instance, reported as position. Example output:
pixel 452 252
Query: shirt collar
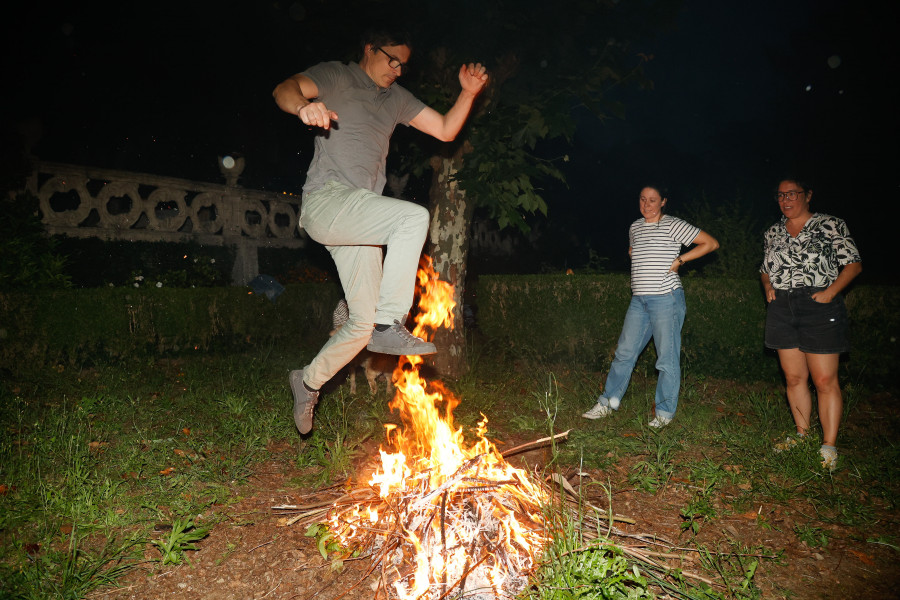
pixel 812 219
pixel 363 78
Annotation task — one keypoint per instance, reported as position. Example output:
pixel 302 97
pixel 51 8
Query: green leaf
pixel 322 544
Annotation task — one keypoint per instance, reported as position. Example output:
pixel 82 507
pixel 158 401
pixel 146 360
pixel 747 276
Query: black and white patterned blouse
pixel 813 258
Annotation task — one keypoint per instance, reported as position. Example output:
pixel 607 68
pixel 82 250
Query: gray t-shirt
pixel 354 150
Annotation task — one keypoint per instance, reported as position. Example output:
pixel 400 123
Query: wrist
pixel 469 95
pixel 679 260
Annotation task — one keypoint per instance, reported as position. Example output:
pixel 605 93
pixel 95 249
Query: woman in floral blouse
pixel 809 259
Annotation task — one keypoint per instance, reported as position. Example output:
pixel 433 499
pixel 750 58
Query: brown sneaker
pixel 304 402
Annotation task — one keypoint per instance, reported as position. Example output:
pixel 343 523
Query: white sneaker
pixel 659 422
pixel 829 457
pixel 598 412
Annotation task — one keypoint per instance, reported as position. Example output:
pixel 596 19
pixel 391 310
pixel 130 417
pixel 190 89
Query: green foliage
pixel 656 470
pixel 102 452
pixel 138 264
pixel 71 573
pixel 537 91
pixel 573 567
pixel 502 173
pixel 578 318
pixel 736 569
pixel 885 540
pixel 597 571
pixel 180 539
pixel 575 317
pixel 812 536
pixel 708 472
pixel 738 231
pixel 333 456
pixel 28 257
pixel 79 326
pixel 327 544
pixel 196 271
pixel 699 509
pixel 335 442
pixel 214 418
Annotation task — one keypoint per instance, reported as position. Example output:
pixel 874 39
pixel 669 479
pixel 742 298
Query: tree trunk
pixel 448 246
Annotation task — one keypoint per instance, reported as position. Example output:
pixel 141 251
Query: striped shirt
pixel 341 314
pixel 654 246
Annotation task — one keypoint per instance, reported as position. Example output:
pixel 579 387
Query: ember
pixel 442 516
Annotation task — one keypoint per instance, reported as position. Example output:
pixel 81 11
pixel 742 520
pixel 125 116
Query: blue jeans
pixel 661 318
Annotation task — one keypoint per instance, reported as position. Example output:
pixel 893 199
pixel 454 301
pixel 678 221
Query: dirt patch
pixel 248 555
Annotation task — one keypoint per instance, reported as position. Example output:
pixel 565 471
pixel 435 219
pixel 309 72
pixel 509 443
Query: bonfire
pixel 440 515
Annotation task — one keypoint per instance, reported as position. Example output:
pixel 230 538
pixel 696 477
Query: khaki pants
pixel 353 224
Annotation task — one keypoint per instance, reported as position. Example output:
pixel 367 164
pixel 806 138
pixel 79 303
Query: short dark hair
pixel 661 189
pixel 800 181
pixel 381 36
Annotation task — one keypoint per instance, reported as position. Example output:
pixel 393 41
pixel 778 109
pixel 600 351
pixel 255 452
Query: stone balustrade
pixel 83 202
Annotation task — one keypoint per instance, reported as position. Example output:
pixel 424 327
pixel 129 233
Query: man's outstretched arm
pixel 472 77
pixel 295 96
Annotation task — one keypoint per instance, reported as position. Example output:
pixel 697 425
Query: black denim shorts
pixel 795 320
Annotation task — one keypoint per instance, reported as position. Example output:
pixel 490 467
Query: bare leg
pixel 823 368
pixel 796 374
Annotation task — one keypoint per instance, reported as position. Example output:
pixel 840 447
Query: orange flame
pixel 427 415
pixel 431 460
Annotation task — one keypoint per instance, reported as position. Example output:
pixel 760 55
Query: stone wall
pixel 80 201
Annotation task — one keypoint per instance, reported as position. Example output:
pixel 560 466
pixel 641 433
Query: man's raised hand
pixel 473 77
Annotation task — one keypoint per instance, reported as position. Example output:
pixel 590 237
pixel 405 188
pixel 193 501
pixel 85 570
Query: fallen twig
pixel 534 445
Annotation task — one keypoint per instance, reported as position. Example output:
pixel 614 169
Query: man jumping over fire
pixel 356 107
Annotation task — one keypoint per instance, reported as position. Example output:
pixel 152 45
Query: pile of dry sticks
pixel 413 537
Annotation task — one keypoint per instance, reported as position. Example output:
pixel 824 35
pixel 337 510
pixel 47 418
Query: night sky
pixel 743 92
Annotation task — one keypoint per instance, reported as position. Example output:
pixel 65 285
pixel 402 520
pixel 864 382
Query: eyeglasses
pixel 394 62
pixel 789 195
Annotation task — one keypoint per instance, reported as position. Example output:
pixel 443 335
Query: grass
pixel 112 452
pixel 95 462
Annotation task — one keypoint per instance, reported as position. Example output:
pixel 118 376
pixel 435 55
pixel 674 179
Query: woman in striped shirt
pixel 657 304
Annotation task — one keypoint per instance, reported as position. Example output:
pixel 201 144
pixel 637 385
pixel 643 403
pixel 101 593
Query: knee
pixel 794 380
pixel 416 216
pixel 625 355
pixel 671 366
pixel 357 329
pixel 362 314
pixel 361 317
pixel 826 383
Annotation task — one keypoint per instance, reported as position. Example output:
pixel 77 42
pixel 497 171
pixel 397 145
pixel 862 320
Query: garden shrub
pixel 578 318
pixel 77 326
pixel 28 258
pixel 571 318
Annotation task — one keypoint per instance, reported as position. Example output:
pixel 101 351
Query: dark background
pixel 743 93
